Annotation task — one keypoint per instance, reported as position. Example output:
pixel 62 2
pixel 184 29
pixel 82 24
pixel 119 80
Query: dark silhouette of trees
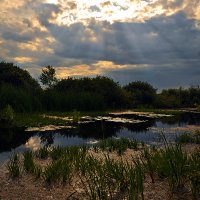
pixel 18 89
pixel 142 93
pixel 24 94
pixel 48 76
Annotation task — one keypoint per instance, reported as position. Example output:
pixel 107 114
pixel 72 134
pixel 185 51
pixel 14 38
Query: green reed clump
pixel 37 171
pixel 52 172
pixel 42 153
pixel 132 191
pixel 119 145
pixel 58 170
pixel 189 138
pixel 95 181
pixel 115 173
pixel 29 165
pixel 57 152
pixel 13 166
pixel 197 137
pixel 184 138
pixel 172 163
pixel 28 162
pixel 194 175
pixel 139 177
pixel 149 162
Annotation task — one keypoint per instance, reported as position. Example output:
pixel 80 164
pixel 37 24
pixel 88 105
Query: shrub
pixel 7 114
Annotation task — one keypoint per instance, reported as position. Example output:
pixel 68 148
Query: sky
pixel 157 41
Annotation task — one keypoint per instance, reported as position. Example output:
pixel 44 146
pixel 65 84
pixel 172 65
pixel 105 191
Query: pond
pixel 148 130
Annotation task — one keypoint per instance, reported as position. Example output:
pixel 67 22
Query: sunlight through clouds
pixel 96 37
pixel 75 11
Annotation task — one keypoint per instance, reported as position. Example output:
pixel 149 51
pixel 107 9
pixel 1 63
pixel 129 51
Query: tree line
pixel 24 94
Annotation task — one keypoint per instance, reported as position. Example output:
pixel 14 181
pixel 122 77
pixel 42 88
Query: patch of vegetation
pixel 119 145
pixel 106 178
pixel 189 138
pixel 42 153
pixel 19 90
pixel 14 166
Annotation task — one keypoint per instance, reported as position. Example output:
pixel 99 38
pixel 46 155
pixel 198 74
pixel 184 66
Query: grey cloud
pixel 160 76
pixel 159 40
pixel 169 45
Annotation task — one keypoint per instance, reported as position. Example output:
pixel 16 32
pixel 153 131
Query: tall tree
pixel 48 76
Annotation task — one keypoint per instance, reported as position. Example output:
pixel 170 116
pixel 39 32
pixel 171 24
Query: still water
pixel 149 132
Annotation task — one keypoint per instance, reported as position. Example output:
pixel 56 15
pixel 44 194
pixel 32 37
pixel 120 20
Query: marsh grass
pixel 42 153
pixel 119 145
pixel 29 165
pixel 13 166
pixel 105 178
pixel 189 138
pixel 57 152
pixel 149 163
pixel 28 162
pixel 194 175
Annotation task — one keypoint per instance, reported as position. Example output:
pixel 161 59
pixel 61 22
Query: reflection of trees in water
pixel 96 130
pixel 47 137
pixel 181 119
pixel 12 138
pixel 104 129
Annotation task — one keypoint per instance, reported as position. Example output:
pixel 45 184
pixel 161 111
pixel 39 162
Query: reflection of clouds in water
pixel 33 143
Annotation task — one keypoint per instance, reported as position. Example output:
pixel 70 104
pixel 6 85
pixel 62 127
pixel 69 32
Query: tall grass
pixel 119 145
pixel 42 153
pixel 30 166
pixel 106 178
pixel 194 175
pixel 13 166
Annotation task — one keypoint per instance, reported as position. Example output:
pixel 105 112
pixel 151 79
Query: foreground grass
pixel 104 177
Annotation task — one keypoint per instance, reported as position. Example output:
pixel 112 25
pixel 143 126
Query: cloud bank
pixel 150 40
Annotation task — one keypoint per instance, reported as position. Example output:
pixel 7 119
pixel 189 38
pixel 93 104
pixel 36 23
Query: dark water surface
pixel 150 132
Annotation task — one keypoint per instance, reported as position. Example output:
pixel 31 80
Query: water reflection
pixel 19 140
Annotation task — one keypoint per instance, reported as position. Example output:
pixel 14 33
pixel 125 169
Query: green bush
pixel 7 114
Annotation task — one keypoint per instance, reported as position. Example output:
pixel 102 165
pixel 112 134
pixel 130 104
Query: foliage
pixel 142 93
pixel 107 178
pixel 19 90
pixel 13 166
pixel 189 138
pixel 48 76
pixel 7 114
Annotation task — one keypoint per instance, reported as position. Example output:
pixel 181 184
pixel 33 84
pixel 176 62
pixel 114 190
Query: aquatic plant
pixel 119 145
pixel 57 152
pixel 194 174
pixel 13 166
pixel 52 172
pixel 149 163
pixel 28 162
pixel 42 153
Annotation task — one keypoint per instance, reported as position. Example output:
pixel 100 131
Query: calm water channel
pixel 150 132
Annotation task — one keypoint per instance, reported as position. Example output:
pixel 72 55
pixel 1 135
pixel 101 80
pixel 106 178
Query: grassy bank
pixel 104 176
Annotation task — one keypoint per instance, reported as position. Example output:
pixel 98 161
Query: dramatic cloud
pixel 151 40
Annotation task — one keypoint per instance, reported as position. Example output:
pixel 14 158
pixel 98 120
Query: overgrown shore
pixel 112 169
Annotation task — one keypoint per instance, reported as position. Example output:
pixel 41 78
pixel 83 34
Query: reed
pixel 42 153
pixel 13 166
pixel 194 175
